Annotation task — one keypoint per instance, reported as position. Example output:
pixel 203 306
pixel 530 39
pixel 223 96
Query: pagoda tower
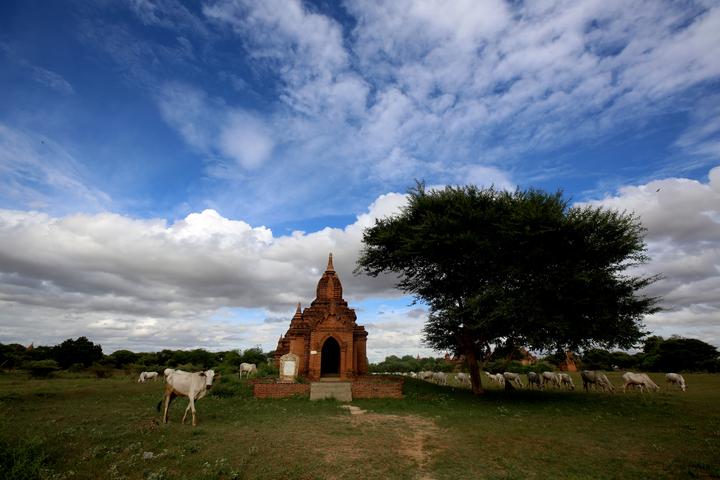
pixel 325 335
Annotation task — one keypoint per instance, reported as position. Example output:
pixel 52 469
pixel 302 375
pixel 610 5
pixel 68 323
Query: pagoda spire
pixel 330 267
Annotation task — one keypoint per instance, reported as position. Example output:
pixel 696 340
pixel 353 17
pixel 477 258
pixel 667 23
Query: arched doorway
pixel 330 358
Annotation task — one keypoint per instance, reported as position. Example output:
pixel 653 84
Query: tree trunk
pixel 472 363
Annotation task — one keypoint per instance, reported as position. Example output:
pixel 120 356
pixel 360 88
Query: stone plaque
pixel 289 364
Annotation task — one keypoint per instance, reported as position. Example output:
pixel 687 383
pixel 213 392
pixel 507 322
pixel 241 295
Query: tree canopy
pixel 522 266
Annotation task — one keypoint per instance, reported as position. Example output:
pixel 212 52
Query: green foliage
pixel 23 460
pixel 81 351
pixel 230 386
pixel 199 358
pixel 494 265
pixel 189 367
pixel 76 368
pixel 12 356
pixel 121 358
pixel 42 368
pixel 100 370
pixel 253 355
pixel 408 363
pixel 266 370
pixel 685 354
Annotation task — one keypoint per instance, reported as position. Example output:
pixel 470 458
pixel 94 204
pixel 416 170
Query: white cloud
pixel 209 281
pixel 682 218
pixel 245 139
pixel 120 279
pixel 38 173
pixel 213 128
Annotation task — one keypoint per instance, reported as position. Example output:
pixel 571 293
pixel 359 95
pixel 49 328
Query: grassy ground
pixel 86 428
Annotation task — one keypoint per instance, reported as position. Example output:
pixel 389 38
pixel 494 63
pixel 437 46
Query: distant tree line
pixel 81 354
pixel 674 354
pixel 408 363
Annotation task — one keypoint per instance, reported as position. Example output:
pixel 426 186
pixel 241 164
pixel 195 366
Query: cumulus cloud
pixel 213 282
pixel 112 277
pixel 682 218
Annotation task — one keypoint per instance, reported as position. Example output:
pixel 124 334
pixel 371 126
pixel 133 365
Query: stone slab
pixel 341 391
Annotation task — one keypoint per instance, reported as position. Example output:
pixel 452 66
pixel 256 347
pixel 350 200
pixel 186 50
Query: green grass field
pixel 87 428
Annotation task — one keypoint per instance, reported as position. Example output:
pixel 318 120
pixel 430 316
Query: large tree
pixel 521 267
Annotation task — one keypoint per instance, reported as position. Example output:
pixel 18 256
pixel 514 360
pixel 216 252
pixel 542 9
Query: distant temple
pixel 325 335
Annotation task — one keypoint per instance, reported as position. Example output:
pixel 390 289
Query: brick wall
pixel 280 390
pixel 381 387
pixel 365 387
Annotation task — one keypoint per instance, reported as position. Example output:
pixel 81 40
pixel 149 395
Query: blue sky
pixel 167 163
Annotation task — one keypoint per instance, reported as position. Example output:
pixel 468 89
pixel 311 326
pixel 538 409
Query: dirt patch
pixel 419 437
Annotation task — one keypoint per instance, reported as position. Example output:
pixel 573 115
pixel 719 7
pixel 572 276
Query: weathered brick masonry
pixel 366 387
pixel 280 390
pixel 377 388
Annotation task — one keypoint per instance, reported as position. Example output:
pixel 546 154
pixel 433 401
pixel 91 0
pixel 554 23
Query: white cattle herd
pixel 591 379
pixel 195 385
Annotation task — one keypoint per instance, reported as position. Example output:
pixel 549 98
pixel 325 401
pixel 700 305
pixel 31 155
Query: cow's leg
pixel 169 395
pixel 186 411
pixel 191 407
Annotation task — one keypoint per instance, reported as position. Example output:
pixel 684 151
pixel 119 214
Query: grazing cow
pixel 534 380
pixel 638 379
pixel 247 368
pixel 513 378
pixel 566 381
pixel 186 384
pixel 550 377
pixel 496 377
pixel 147 376
pixel 463 379
pixel 440 378
pixel 596 378
pixel 425 375
pixel 675 379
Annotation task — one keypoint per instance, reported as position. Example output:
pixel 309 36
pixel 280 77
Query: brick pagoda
pixel 325 335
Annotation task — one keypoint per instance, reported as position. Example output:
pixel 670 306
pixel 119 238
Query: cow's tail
pixel 159 405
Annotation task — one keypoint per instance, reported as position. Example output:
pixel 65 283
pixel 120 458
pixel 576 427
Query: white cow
pixel 513 378
pixel 496 377
pixel 440 378
pixel 675 379
pixel 638 379
pixel 147 376
pixel 566 381
pixel 186 384
pixel 550 377
pixel 463 378
pixel 248 368
pixel 596 378
pixel 425 375
pixel 534 380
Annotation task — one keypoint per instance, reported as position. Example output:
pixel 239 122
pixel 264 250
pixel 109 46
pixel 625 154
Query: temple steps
pixel 341 391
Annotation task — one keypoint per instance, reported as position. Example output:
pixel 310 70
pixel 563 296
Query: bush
pixel 230 386
pixel 101 371
pixel 188 367
pixel 76 368
pixel 265 370
pixel 42 368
